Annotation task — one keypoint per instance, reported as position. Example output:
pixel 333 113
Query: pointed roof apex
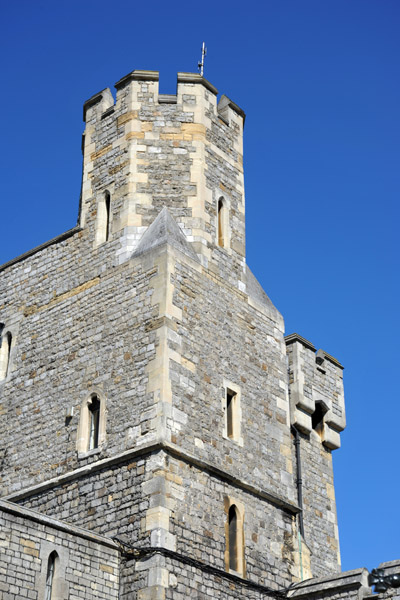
pixel 255 290
pixel 164 230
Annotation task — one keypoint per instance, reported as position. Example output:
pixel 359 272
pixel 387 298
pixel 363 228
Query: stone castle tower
pixel 161 438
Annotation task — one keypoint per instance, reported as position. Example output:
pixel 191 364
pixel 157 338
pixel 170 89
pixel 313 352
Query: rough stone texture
pixel 219 328
pixel 319 507
pixel 315 380
pixel 316 377
pixel 88 566
pixel 348 585
pixel 108 501
pixel 75 334
pixel 159 321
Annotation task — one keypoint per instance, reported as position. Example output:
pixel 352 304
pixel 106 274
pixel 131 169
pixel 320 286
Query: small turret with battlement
pixel 316 391
pixel 184 151
pixel 317 416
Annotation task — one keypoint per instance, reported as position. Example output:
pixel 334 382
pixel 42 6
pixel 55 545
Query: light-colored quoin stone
pixel 149 401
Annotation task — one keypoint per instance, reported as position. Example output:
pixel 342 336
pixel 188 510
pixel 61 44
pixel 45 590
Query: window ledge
pixel 237 573
pixel 225 249
pixel 89 453
pixel 234 440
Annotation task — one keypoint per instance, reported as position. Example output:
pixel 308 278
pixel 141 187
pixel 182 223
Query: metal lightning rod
pixel 200 64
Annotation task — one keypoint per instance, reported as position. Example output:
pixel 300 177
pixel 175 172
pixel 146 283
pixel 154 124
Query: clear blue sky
pixel 319 81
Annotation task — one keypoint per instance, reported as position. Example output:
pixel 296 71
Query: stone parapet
pixel 138 75
pixel 62 526
pixel 349 585
pixel 55 240
pixel 196 78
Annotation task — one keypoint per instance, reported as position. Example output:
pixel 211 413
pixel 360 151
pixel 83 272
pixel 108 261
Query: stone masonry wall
pixel 316 377
pixel 109 501
pixel 199 523
pixel 222 338
pixel 73 334
pixel 125 500
pixel 319 506
pixel 134 577
pixel 87 566
pixel 182 580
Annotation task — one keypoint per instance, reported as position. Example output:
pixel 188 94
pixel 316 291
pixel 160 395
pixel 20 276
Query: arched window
pixel 103 218
pixel 234 555
pixel 233 535
pixel 221 211
pixel 92 426
pixel 5 351
pixel 230 413
pixel 107 201
pixel 94 422
pixel 51 568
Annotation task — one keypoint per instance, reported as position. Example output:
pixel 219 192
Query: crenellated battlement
pixel 316 391
pixel 103 100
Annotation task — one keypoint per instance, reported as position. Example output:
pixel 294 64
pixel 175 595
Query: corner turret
pixel 316 391
pixel 317 417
